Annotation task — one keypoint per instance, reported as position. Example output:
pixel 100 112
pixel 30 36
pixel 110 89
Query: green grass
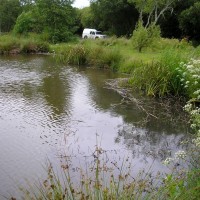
pixel 154 70
pixel 10 44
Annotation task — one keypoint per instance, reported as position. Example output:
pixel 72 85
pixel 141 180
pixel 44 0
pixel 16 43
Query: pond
pixel 48 110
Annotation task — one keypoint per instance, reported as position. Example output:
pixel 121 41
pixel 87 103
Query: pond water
pixel 48 110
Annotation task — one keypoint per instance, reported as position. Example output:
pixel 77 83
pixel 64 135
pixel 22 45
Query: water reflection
pixel 46 107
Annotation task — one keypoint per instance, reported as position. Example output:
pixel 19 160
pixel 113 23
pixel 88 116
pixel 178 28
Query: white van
pixel 92 33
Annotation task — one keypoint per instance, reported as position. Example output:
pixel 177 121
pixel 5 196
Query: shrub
pixel 145 37
pixel 77 55
pixel 153 78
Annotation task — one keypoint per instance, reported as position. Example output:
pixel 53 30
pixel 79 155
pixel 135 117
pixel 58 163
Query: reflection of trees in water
pixel 54 93
pixel 146 136
pixel 146 143
pixel 55 86
pixel 102 97
pixel 169 116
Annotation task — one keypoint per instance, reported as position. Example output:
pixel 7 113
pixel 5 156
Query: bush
pixel 152 78
pixel 145 37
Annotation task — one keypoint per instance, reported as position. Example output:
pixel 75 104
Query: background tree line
pixel 58 20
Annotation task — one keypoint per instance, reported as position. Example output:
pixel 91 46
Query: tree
pixel 169 24
pixel 9 11
pixel 53 18
pixel 58 17
pixel 86 17
pixel 29 21
pixel 114 16
pixel 153 10
pixel 190 21
pixel 145 36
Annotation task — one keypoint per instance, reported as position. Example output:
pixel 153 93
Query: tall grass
pixel 154 71
pixel 10 44
pixel 99 181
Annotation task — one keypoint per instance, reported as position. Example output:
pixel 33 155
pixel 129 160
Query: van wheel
pixel 85 37
pixel 96 38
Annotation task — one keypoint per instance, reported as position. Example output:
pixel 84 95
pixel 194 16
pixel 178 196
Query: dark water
pixel 47 109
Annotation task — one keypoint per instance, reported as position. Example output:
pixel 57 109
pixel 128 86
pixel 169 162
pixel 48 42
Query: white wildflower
pixel 187 107
pixel 189 67
pixel 187 82
pixel 193 126
pixel 167 161
pixel 194 112
pixel 180 154
pixel 197 92
pixel 182 79
pixel 195 76
pixel 197 141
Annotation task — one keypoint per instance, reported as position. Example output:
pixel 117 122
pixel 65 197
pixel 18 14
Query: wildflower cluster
pixel 189 76
pixel 196 141
pixel 191 81
pixel 179 155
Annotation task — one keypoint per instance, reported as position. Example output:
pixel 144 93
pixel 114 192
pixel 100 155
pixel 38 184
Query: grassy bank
pixel 10 44
pixel 154 71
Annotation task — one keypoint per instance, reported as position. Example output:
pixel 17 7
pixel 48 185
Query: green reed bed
pixel 10 44
pixel 153 70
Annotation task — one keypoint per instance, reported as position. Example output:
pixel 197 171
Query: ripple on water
pixel 47 109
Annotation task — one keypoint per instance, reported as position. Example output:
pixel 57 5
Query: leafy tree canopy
pixel 9 11
pixel 153 9
pixel 190 21
pixel 115 16
pixel 53 18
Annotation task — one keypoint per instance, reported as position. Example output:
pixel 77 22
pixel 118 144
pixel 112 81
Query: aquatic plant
pixel 99 180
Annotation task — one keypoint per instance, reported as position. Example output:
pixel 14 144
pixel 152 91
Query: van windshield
pixel 99 32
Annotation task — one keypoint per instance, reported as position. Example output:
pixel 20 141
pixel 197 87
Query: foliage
pixel 152 78
pixel 190 21
pixel 153 9
pixel 28 22
pixel 55 19
pixel 114 16
pixel 145 37
pixel 16 45
pixel 87 17
pixel 75 54
pixel 9 11
pixel 160 78
pixel 58 18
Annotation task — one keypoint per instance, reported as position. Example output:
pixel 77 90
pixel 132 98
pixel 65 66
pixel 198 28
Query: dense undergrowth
pixel 169 67
pixel 18 45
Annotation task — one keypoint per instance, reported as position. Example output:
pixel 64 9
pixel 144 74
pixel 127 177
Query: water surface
pixel 48 110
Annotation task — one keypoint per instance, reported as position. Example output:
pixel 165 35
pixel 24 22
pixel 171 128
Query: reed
pixel 10 44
